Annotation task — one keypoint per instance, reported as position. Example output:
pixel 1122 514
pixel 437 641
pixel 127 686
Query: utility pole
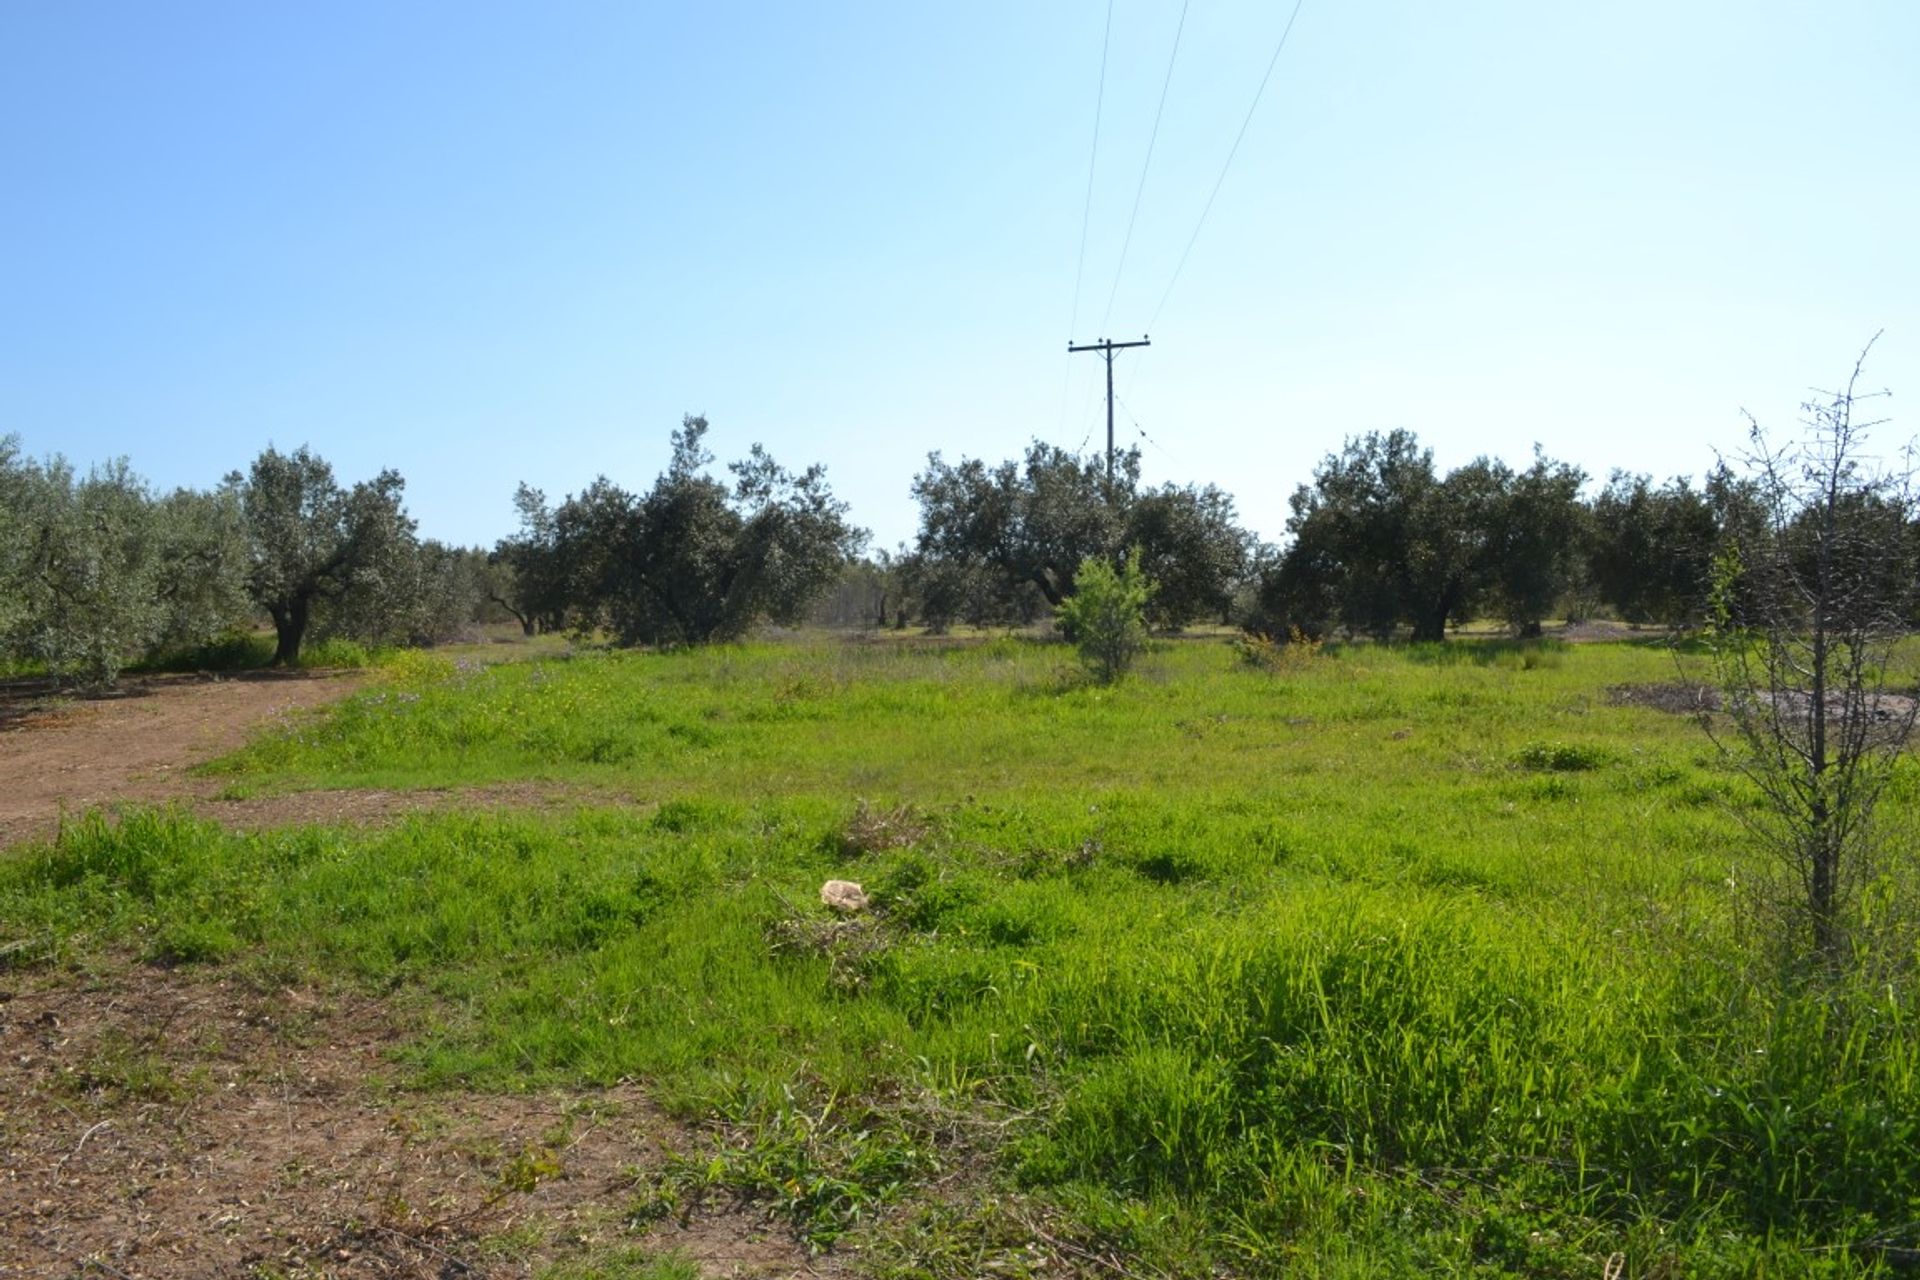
pixel 1106 347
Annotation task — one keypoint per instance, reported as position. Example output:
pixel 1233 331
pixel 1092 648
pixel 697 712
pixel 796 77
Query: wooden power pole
pixel 1107 347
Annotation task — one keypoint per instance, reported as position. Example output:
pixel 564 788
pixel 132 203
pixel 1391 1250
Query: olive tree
pixel 313 544
pixel 86 567
pixel 1002 541
pixel 200 546
pixel 1539 526
pixel 16 483
pixel 1192 548
pixel 1651 549
pixel 525 575
pixel 1380 538
pixel 691 561
pixel 708 561
pixel 1030 522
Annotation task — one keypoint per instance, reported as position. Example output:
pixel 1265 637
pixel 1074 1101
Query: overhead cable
pixel 1234 151
pixel 1147 164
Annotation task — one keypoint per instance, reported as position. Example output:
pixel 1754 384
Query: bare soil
pixel 180 1123
pixel 1685 698
pixel 1677 697
pixel 159 1124
pixel 139 745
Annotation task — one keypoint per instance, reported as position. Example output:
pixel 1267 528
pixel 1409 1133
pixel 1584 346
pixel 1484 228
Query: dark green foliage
pixel 315 546
pixel 941 591
pixel 1538 528
pixel 998 541
pixel 426 593
pixel 526 573
pixel 1031 522
pixel 1191 549
pixel 870 592
pixel 86 570
pixel 691 561
pixel 1381 540
pixel 1652 549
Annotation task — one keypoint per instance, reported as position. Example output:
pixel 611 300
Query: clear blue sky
pixel 486 243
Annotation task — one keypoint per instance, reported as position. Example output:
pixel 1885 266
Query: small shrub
pixel 1279 657
pixel 850 946
pixel 1106 615
pixel 234 651
pixel 186 942
pixel 119 1068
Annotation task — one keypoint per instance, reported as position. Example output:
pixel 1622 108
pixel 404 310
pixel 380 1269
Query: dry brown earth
pixel 136 745
pixel 158 1124
pixel 139 746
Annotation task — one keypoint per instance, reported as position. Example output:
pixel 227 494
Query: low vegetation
pixel 1364 960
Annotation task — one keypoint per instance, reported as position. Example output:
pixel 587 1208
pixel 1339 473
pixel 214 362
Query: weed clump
pixel 825 1171
pixel 1285 656
pixel 872 830
pixel 1559 757
pixel 849 944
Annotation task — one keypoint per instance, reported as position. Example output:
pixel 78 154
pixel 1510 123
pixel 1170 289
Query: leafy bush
pixel 1106 615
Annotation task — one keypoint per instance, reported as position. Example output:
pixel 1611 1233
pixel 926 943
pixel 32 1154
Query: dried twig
pixel 104 1124
pixel 417 1242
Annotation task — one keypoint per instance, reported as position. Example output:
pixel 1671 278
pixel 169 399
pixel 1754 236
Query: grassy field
pixel 1389 962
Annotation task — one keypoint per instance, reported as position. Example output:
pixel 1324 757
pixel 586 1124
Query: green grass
pixel 1403 961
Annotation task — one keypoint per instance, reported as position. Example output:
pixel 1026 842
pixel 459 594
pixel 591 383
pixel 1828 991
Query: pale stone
pixel 844 896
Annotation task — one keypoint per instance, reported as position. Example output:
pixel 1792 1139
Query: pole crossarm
pixel 1106 347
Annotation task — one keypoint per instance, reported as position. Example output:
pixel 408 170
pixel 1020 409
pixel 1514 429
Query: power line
pixel 1140 190
pixel 1143 431
pixel 1086 209
pixel 1217 183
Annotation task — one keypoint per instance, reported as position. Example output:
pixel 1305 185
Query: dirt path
pixel 140 746
pixel 136 745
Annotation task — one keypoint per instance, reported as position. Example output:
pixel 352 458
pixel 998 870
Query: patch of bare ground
pixel 371 807
pixel 1677 697
pixel 175 1123
pixel 1685 698
pixel 139 745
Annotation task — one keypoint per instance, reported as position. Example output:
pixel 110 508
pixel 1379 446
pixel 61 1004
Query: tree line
pixel 1379 543
pixel 97 569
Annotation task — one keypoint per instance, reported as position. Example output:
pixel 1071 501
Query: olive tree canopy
pixel 311 542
